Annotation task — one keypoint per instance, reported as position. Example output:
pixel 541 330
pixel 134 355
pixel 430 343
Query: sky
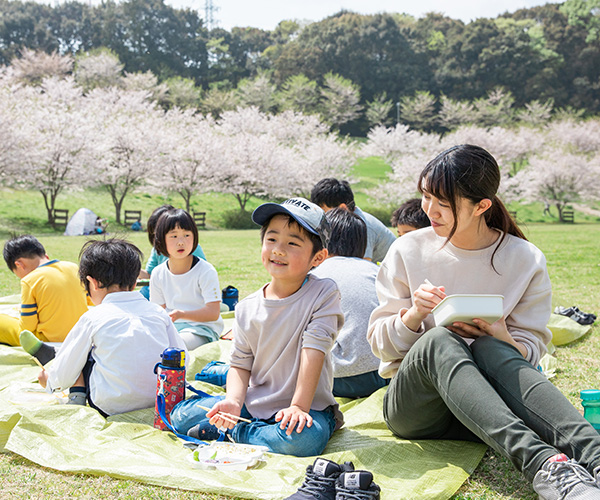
pixel 266 14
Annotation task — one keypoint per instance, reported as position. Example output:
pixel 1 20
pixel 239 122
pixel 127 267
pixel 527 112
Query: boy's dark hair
pixel 332 193
pixel 168 221
pixel 348 234
pixel 315 239
pixel 111 262
pixel 410 213
pixel 19 247
pixel 153 219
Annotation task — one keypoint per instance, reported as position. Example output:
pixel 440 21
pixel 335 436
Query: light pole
pixel 397 113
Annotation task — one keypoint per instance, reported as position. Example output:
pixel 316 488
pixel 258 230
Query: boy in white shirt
pixel 281 374
pixel 110 354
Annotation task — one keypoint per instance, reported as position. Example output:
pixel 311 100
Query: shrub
pixel 238 219
pixel 384 214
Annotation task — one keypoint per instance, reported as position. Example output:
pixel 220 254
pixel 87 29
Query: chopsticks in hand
pixel 228 417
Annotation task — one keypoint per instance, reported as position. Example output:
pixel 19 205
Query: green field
pixel 573 264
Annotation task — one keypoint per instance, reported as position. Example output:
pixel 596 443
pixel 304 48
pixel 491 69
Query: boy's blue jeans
pixel 310 442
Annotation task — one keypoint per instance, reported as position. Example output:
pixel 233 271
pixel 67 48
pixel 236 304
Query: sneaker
pixel 356 485
pixel 214 373
pixel 576 315
pixel 563 479
pixel 319 482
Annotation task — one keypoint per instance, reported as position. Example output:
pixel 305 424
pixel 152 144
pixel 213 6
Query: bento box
pixel 465 307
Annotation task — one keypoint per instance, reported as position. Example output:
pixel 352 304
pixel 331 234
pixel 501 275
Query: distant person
pixel 52 297
pixel 280 375
pixel 155 258
pixel 409 216
pixel 100 225
pixel 332 193
pixel 547 209
pixel 108 358
pixel 186 286
pixel 354 364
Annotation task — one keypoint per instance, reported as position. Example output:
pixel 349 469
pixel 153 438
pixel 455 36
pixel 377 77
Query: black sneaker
pixel 356 485
pixel 576 315
pixel 319 482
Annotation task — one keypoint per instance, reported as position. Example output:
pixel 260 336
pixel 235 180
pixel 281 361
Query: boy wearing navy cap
pixel 281 374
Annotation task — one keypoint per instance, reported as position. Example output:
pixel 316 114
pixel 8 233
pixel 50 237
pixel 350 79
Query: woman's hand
pixel 293 417
pixel 425 298
pixel 481 328
pixel 226 406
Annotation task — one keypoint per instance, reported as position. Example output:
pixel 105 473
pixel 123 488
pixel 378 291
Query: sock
pixel 77 396
pixel 38 349
pixel 561 457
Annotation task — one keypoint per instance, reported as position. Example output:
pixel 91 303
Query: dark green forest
pixel 546 53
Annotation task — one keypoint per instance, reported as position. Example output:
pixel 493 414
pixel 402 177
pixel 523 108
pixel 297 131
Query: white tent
pixel 82 222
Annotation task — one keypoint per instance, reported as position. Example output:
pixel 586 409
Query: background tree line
pixel 349 68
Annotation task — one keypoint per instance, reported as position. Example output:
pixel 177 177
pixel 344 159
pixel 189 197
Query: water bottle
pixel 590 399
pixel 230 297
pixel 170 382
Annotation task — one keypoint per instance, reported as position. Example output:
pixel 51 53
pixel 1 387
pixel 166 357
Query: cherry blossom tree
pixel 98 68
pixel 54 132
pixel 277 156
pixel 8 139
pixel 34 66
pixel 193 153
pixel 128 146
pixel 578 136
pixel 145 82
pixel 559 178
pixel 407 152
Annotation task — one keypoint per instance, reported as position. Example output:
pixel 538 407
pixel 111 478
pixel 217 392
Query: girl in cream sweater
pixel 477 382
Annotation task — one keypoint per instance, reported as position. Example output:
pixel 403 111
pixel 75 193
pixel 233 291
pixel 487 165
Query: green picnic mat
pixel 77 439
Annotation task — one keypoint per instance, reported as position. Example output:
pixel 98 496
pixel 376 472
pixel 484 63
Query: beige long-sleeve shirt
pixel 521 277
pixel 269 335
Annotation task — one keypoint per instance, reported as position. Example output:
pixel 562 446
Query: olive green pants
pixel 445 389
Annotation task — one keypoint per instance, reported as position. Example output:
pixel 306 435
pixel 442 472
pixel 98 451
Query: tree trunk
pixel 186 194
pixel 242 200
pixel 117 201
pixel 50 203
pixel 559 208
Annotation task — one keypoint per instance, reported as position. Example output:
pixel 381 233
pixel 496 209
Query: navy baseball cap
pixel 310 216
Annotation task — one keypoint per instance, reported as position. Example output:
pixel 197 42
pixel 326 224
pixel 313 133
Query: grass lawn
pixel 574 266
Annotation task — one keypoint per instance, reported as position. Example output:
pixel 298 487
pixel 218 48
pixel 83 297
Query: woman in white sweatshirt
pixel 477 382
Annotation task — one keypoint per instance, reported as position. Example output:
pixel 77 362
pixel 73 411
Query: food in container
pixel 227 456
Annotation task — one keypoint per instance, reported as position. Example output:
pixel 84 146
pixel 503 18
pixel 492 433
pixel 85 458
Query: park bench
pixel 513 214
pixel 200 219
pixel 131 216
pixel 568 216
pixel 61 217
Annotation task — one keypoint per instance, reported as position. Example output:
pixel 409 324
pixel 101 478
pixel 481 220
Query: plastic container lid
pixel 590 394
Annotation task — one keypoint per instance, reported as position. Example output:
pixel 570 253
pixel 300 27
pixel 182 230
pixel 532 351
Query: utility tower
pixel 210 10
